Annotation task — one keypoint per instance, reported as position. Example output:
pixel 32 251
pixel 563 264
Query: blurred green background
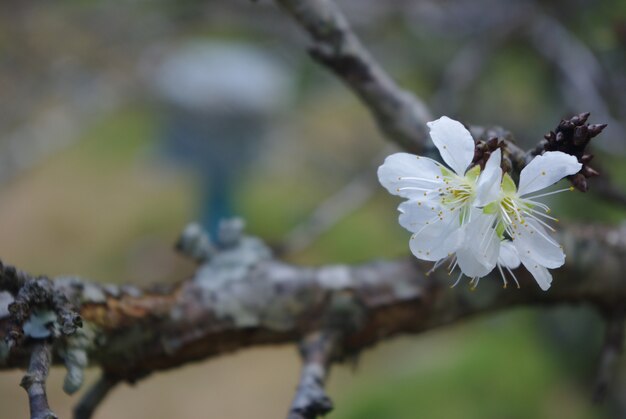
pixel 88 185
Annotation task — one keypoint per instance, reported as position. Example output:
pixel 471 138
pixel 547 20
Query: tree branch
pixel 580 70
pixel 94 396
pixel 311 400
pixel 399 113
pixel 466 67
pixel 352 196
pixel 244 297
pixel 34 382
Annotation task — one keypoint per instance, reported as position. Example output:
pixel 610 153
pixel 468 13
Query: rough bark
pixel 228 305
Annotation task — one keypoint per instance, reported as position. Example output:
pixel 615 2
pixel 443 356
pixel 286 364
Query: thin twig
pixel 311 400
pixel 581 71
pixel 399 113
pixel 94 396
pixel 467 66
pixel 339 205
pixel 34 381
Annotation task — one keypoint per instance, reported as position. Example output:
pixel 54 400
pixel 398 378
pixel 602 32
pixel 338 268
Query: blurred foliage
pixel 492 368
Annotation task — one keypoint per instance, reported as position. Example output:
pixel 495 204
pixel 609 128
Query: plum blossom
pixel 440 208
pixel 477 220
pixel 523 219
pixel 508 259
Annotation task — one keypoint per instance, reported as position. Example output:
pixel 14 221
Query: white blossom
pixel 477 221
pixel 522 219
pixel 508 259
pixel 440 208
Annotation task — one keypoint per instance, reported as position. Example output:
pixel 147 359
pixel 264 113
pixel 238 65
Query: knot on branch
pixel 232 251
pixel 195 242
pixel 219 279
pixel 38 310
pixel 572 136
pixel 345 314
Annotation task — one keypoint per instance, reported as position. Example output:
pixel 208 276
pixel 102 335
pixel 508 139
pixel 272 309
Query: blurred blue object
pixel 218 98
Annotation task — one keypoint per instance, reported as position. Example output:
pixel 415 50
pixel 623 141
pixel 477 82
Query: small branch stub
pixel 311 400
pixel 34 381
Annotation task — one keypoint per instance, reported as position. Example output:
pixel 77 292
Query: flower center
pixel 511 210
pixel 457 193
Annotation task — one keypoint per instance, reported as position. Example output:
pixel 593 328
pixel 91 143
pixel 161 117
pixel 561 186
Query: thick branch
pixel 243 297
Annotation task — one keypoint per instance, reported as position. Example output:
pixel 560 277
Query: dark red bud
pixel 589 172
pixel 581 118
pixel 586 158
pixel 581 135
pixel 596 129
pixel 579 182
pixel 566 125
pixel 560 137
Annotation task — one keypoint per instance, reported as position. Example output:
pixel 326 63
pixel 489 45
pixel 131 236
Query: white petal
pixel 439 239
pixel 488 185
pixel 545 170
pixel 417 174
pixel 532 241
pixel 540 273
pixel 454 141
pixel 508 255
pixel 478 254
pixel 414 214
